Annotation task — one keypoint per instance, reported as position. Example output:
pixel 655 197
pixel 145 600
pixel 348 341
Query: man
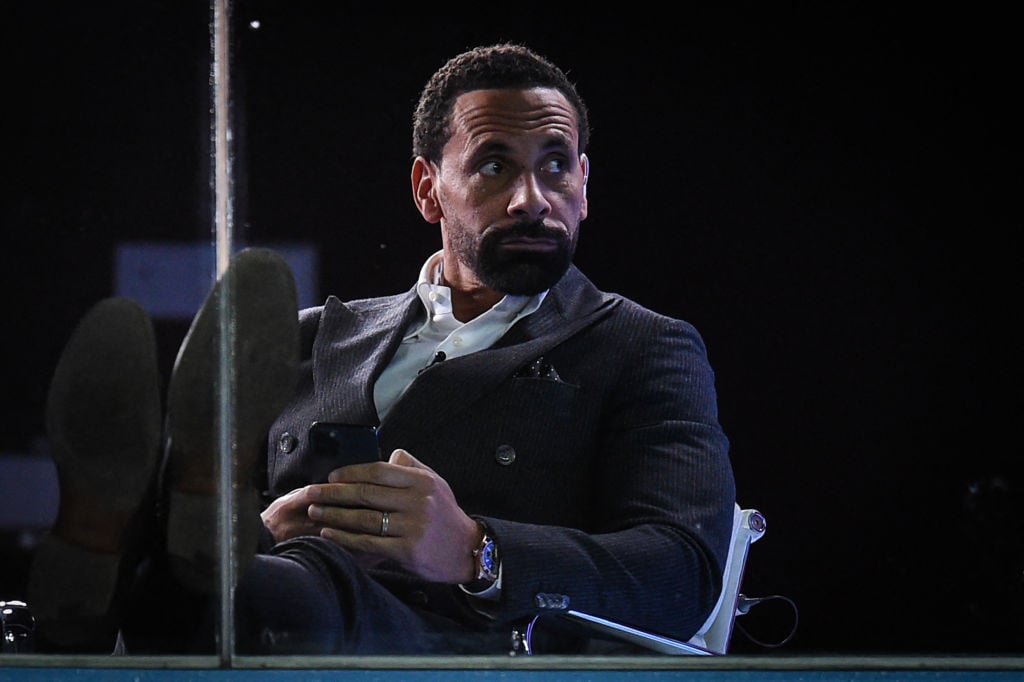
pixel 548 446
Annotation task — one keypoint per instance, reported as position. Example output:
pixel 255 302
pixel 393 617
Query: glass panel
pixel 784 189
pixel 107 146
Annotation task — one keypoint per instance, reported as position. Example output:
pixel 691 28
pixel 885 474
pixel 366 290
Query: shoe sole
pixel 103 406
pixel 103 425
pixel 259 291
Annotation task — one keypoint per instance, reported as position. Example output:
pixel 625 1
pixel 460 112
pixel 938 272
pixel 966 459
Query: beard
pixel 514 271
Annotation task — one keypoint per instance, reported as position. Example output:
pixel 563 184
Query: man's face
pixel 511 189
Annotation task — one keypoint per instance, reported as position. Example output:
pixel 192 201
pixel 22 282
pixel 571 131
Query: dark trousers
pixel 309 596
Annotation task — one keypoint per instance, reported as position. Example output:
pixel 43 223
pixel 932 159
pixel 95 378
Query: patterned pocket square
pixel 539 369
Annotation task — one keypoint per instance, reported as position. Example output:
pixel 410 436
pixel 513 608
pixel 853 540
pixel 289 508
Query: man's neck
pixel 468 304
pixel 470 297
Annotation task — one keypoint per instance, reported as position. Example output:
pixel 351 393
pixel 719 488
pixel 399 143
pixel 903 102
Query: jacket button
pixel 505 455
pixel 287 442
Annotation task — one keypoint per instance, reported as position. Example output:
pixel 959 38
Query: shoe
pixel 258 290
pixel 103 423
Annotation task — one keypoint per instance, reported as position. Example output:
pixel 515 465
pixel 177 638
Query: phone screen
pixel 333 445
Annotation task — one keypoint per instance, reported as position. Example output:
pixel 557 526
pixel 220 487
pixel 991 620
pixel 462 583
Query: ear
pixel 424 190
pixel 585 165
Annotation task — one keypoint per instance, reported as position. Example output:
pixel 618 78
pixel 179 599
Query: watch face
pixel 487 560
pixel 487 557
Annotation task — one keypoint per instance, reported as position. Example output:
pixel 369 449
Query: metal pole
pixel 223 201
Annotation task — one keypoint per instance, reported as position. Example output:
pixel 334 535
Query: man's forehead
pixel 513 111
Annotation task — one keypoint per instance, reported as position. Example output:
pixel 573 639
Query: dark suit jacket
pixel 587 439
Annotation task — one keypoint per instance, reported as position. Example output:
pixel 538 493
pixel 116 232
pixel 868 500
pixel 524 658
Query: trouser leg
pixel 304 596
pixel 310 596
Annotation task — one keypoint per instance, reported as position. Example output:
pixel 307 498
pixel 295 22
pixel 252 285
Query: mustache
pixel 529 229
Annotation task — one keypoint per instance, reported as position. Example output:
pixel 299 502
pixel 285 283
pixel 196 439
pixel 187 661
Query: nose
pixel 528 199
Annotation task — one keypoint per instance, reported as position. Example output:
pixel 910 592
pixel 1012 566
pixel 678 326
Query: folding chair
pixel 712 639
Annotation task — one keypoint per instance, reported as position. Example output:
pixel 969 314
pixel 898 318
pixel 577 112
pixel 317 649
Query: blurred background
pixel 826 192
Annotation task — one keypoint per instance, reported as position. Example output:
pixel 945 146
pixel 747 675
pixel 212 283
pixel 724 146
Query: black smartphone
pixel 333 445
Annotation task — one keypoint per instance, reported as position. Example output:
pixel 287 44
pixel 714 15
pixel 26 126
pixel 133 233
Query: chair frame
pixel 713 638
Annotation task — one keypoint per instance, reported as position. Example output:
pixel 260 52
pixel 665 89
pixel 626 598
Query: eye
pixel 492 168
pixel 555 165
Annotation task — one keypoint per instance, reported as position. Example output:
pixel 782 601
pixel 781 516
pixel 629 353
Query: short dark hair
pixel 505 65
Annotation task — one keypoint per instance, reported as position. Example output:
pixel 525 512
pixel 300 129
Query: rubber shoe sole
pixel 262 344
pixel 103 424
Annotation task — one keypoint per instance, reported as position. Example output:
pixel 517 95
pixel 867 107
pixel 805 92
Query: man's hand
pixel 288 516
pixel 427 531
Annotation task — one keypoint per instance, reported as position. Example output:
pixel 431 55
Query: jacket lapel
pixel 353 344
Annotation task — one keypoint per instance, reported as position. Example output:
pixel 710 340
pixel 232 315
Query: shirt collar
pixel 437 300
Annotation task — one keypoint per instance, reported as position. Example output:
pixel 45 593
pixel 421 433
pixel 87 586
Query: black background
pixel 829 194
